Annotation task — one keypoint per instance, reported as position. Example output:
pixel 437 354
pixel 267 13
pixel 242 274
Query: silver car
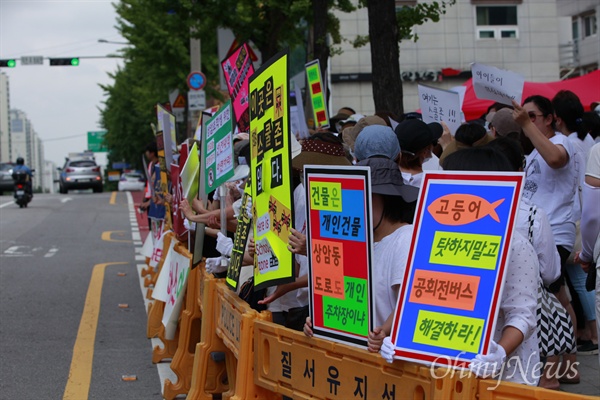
pixel 6 180
pixel 80 174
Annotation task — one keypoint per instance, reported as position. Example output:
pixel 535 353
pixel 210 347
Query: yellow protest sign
pixel 271 172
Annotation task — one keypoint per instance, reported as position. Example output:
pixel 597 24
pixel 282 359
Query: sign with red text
pixel 317 94
pixel 218 150
pixel 448 306
pixel 339 242
pixel 237 69
pixel 179 268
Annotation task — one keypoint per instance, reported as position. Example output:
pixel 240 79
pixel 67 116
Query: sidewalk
pixel 589 370
pixel 142 218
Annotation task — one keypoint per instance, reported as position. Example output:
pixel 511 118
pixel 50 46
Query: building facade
pixel 529 37
pixel 5 145
pixel 26 143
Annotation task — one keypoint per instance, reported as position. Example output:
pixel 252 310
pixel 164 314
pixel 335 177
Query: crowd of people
pixel 555 246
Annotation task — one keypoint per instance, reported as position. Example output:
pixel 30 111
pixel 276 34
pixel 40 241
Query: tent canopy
pixel 587 87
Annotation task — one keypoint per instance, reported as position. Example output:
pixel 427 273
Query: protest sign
pixel 270 171
pixel 177 193
pixel 491 83
pixel 244 223
pixel 189 174
pixel 237 69
pixel 297 117
pixel 339 244
pixel 218 150
pixel 179 268
pixel 317 94
pixel 448 306
pixel 439 105
pixel 166 124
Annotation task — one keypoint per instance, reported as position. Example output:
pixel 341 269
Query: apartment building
pixel 26 143
pixel 5 144
pixel 543 40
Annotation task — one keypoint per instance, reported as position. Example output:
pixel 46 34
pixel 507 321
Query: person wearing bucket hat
pixel 503 124
pixel 348 122
pixel 342 114
pixel 350 134
pixel 416 142
pixel 376 141
pixel 322 148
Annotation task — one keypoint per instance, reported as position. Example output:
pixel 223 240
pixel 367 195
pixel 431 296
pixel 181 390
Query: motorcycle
pixel 23 192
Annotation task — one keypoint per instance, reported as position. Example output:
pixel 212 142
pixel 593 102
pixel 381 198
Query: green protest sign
pixel 218 148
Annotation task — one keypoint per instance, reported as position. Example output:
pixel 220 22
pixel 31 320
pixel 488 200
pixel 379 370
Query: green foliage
pixel 409 16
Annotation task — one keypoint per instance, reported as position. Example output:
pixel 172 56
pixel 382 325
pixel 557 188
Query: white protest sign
pixel 439 105
pixel 491 83
pixel 148 247
pixel 302 127
pixel 162 282
pixel 179 268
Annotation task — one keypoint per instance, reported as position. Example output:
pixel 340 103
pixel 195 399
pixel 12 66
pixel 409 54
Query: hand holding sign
pixel 496 84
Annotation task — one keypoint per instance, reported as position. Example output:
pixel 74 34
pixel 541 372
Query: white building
pixel 26 143
pixel 529 37
pixel 4 119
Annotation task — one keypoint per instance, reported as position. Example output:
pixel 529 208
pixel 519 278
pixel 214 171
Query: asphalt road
pixel 47 254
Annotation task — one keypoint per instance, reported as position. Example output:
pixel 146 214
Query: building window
pixel 497 22
pixel 589 25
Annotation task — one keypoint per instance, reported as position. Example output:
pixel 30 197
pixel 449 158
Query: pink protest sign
pixel 237 69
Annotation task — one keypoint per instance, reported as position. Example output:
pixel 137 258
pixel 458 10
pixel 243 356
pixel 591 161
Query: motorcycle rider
pixel 22 167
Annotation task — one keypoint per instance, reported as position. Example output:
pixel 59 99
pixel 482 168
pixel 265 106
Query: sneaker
pixel 587 347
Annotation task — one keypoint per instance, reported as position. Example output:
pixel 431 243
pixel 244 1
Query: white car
pixel 131 181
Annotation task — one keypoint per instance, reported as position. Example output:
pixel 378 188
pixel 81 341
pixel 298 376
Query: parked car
pixel 132 181
pixel 80 174
pixel 6 180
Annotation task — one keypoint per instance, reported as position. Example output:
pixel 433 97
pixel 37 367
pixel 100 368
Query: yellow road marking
pixel 113 198
pixel 107 236
pixel 80 374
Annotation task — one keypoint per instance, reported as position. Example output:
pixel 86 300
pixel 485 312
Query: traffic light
pixel 69 61
pixel 10 63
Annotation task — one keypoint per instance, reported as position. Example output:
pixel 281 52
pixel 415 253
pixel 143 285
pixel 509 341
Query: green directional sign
pixel 96 141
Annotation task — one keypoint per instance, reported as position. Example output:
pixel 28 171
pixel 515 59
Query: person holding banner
pixel 513 353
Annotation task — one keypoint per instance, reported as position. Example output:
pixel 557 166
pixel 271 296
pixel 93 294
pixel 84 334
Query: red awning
pixel 587 87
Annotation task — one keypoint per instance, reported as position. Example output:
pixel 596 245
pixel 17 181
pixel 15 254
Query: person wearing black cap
pixel 416 143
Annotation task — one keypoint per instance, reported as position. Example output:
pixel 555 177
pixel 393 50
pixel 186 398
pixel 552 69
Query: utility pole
pixel 195 65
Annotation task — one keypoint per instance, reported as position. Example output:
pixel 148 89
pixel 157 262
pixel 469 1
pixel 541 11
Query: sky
pixel 62 103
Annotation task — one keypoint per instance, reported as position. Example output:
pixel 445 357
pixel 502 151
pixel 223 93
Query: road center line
pixel 113 198
pixel 80 373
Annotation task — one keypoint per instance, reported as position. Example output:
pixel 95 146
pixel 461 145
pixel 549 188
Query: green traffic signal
pixel 69 61
pixel 10 63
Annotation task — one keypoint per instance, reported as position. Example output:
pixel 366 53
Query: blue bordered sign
pixel 196 80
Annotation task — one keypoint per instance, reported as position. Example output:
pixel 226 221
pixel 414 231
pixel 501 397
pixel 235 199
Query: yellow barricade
pixel 294 365
pixel 189 336
pixel 208 375
pixel 506 390
pixel 235 326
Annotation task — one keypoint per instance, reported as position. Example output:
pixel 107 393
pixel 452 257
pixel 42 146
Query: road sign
pixel 32 60
pixel 179 102
pixel 197 100
pixel 96 141
pixel 196 80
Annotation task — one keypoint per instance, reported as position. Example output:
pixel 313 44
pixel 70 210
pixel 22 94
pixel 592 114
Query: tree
pixel 388 28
